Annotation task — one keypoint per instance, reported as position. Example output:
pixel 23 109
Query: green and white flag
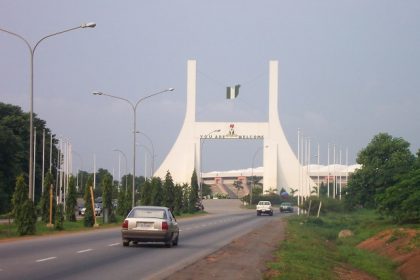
pixel 232 92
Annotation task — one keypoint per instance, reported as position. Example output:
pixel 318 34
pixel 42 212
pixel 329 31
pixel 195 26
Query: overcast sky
pixel 347 71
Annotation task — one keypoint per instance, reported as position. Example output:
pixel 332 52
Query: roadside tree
pixel 107 198
pixel 59 217
pixel 23 208
pixel 193 193
pixel 146 193
pixel 44 203
pixel 178 199
pixel 401 201
pixel 89 219
pixel 71 201
pixel 185 197
pixel 384 161
pixel 168 191
pixel 156 194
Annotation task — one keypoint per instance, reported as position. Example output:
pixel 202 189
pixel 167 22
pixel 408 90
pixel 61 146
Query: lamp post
pixel 134 107
pixel 201 169
pixel 252 172
pixel 153 150
pixel 80 169
pixel 121 152
pixel 32 53
pixel 150 155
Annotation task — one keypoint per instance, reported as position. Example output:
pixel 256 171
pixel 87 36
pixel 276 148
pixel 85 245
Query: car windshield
pixel 264 203
pixel 148 213
pixel 286 204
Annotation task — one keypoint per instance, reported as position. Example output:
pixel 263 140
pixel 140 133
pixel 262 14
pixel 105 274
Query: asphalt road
pixel 99 254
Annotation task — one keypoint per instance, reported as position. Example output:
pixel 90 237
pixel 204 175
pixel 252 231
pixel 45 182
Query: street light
pixel 121 152
pixel 80 169
pixel 134 107
pixel 201 169
pixel 153 150
pixel 252 172
pixel 150 155
pixel 32 53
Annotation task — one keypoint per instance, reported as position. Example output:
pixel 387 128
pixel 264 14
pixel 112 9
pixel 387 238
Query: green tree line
pixel 14 199
pixel 14 151
pixel 179 198
pixel 389 179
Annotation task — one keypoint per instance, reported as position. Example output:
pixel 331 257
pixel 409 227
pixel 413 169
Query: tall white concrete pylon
pixel 281 167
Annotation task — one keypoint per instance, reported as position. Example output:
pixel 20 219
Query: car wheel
pixel 126 243
pixel 169 243
pixel 271 213
pixel 176 241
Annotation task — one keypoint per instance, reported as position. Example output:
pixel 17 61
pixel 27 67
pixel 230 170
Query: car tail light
pixel 165 226
pixel 125 224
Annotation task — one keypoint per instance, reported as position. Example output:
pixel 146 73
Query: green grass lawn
pixel 9 230
pixel 312 249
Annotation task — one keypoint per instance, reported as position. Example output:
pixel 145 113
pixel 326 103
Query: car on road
pixel 150 224
pixel 98 210
pixel 264 207
pixel 286 207
pixel 199 206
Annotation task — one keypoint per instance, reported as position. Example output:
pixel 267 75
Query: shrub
pixel 59 218
pixel 328 205
pixel 24 210
pixel 89 219
pixel 71 201
pixel 26 221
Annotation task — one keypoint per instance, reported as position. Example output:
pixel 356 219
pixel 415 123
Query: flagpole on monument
pixel 298 156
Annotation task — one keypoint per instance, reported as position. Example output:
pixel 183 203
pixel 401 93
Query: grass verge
pixel 312 249
pixel 8 229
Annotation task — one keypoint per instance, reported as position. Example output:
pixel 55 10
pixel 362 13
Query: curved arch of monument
pixel 281 167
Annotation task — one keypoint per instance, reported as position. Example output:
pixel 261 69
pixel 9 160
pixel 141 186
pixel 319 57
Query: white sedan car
pixel 150 224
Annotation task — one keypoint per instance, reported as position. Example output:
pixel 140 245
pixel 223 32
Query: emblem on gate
pixel 231 130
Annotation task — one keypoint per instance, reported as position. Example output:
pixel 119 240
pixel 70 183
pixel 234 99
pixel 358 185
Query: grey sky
pixel 348 70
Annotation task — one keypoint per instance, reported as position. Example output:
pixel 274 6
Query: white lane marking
pixel 84 251
pixel 46 259
pixel 114 244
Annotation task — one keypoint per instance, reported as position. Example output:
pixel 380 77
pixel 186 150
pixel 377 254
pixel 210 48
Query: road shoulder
pixel 243 258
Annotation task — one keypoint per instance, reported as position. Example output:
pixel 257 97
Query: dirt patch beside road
pixel 400 245
pixel 244 258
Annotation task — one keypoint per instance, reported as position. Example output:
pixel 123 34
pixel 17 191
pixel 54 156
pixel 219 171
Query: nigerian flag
pixel 232 92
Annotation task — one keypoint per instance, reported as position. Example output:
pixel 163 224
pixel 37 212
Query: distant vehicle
pixel 115 203
pixel 98 210
pixel 199 206
pixel 98 202
pixel 81 208
pixel 264 207
pixel 286 207
pixel 150 224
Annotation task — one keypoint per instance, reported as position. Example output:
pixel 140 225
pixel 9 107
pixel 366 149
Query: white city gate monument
pixel 281 167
